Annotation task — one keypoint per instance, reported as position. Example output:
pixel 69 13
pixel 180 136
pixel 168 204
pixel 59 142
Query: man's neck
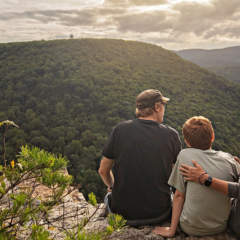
pixel 152 118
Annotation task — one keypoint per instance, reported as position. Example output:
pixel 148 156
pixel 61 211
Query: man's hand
pixel 237 159
pixel 191 173
pixel 164 231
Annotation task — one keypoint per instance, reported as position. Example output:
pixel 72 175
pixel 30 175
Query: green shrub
pixel 92 199
pixel 82 235
pixel 21 212
pixel 115 221
pixel 39 233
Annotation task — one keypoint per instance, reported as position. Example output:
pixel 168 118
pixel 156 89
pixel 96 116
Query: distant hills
pixel 67 95
pixel 224 62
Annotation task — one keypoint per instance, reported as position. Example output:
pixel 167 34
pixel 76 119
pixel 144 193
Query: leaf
pixel 8 123
pixel 2 191
pixel 12 163
pixel 92 199
pixel 51 228
pixel 109 229
pixel 3 184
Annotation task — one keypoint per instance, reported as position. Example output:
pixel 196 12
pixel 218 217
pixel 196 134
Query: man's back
pixel 205 211
pixel 143 153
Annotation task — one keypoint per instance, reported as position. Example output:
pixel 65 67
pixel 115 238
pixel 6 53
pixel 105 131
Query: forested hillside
pixel 66 96
pixel 224 62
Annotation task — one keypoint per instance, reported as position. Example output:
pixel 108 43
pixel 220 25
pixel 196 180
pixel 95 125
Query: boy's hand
pixel 164 231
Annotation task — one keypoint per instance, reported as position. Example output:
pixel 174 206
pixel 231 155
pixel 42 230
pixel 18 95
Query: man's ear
pixel 157 107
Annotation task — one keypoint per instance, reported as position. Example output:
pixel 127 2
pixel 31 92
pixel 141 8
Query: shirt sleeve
pixel 234 187
pixel 109 148
pixel 176 180
pixel 176 144
pixel 236 171
pixel 234 190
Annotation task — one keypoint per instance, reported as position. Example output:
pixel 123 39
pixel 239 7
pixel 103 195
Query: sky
pixel 172 24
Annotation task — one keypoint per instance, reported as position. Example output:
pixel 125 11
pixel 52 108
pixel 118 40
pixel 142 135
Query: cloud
pixel 110 11
pixel 64 17
pixel 230 30
pixel 198 18
pixel 87 16
pixel 147 2
pixel 156 21
pixel 186 17
pixel 31 5
pixel 135 2
pixel 77 18
pixel 144 22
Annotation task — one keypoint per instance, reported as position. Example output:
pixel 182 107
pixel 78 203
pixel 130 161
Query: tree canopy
pixel 66 96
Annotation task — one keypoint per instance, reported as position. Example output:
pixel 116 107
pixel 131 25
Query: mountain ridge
pixel 67 95
pixel 224 62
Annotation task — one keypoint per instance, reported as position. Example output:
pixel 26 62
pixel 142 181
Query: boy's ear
pixel 188 144
pixel 213 137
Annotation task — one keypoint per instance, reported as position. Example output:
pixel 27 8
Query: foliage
pixel 67 95
pixel 4 236
pixel 20 209
pixel 39 233
pixel 8 123
pixel 109 229
pixel 91 182
pixel 5 125
pixel 82 235
pixel 116 221
pixel 92 199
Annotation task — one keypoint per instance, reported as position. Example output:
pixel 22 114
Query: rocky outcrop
pixel 68 214
pixel 145 233
pixel 99 223
pixel 74 209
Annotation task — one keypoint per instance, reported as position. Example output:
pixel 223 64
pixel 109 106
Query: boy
pixel 201 211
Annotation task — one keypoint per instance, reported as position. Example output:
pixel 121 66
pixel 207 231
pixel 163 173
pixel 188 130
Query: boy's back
pixel 205 211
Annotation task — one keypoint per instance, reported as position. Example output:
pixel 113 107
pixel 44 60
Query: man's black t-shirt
pixel 143 152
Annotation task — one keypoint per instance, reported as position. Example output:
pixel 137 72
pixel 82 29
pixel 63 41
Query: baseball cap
pixel 149 97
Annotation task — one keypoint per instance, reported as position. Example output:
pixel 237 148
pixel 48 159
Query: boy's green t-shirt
pixel 205 210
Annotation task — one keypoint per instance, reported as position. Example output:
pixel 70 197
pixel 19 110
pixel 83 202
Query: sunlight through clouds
pixel 199 1
pixel 173 24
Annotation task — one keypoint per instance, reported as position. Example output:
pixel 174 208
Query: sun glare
pixel 167 6
pixel 179 1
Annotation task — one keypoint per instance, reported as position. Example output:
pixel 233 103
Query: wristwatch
pixel 208 181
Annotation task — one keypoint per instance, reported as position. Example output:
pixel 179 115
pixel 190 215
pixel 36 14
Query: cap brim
pixel 165 99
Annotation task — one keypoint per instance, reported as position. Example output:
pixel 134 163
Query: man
pixel 141 153
pixel 201 211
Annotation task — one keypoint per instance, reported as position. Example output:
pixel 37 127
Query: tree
pixel 5 125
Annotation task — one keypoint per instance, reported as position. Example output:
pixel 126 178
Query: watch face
pixel 208 182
